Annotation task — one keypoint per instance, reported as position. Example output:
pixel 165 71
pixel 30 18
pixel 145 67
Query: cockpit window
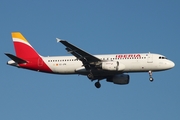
pixel 161 57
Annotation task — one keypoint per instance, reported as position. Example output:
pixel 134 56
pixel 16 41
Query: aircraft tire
pixel 97 84
pixel 151 79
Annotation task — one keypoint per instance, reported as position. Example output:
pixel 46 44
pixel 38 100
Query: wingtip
pixel 59 40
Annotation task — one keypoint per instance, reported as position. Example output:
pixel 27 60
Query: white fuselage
pixel 132 63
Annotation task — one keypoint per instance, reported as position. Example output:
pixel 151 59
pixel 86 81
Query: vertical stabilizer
pixel 22 47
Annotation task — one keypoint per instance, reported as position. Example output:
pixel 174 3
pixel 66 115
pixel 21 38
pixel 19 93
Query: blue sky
pixel 99 27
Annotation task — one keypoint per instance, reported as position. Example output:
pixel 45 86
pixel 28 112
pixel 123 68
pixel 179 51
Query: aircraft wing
pixel 86 58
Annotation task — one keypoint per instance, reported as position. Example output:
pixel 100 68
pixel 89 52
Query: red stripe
pixel 36 64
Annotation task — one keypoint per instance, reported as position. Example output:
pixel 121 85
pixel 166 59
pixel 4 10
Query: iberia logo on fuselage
pixel 128 56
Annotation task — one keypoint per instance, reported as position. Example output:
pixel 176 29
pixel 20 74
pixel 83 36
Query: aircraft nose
pixel 171 64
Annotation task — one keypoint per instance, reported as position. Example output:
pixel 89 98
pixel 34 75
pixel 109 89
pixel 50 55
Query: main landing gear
pixel 97 84
pixel 150 76
pixel 91 77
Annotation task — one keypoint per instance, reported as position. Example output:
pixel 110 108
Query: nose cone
pixel 171 64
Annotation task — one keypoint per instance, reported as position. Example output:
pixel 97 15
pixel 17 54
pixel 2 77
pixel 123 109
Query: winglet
pixel 59 40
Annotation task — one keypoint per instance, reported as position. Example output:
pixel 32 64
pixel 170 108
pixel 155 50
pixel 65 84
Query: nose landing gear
pixel 150 76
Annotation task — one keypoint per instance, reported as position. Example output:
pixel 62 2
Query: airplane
pixel 112 67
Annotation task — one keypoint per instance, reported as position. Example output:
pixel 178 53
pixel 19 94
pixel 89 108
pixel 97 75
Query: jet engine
pixel 121 79
pixel 113 66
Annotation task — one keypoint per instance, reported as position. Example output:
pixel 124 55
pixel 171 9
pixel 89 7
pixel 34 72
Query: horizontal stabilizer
pixel 16 59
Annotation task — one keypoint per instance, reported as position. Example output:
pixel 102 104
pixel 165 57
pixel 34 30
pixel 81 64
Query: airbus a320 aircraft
pixel 112 67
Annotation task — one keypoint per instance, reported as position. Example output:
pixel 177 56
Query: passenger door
pixel 149 58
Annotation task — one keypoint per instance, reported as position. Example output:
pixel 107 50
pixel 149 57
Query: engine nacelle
pixel 113 66
pixel 121 79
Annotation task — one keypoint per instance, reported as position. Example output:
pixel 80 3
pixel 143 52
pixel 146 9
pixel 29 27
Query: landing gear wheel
pixel 150 76
pixel 97 84
pixel 151 79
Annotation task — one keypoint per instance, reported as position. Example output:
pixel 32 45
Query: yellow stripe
pixel 18 35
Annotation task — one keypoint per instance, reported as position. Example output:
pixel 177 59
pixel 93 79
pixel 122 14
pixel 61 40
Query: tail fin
pixel 22 47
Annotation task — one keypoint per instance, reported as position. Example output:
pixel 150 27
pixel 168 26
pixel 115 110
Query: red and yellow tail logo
pixel 22 47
